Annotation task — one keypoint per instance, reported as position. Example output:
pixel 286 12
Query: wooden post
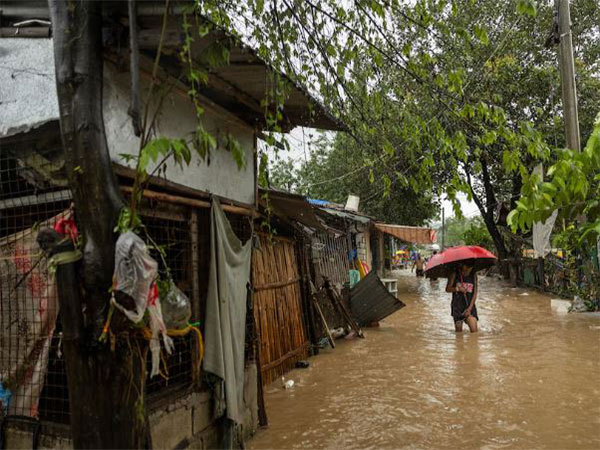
pixel 195 269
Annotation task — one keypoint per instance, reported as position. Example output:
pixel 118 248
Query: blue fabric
pixel 354 277
pixel 5 396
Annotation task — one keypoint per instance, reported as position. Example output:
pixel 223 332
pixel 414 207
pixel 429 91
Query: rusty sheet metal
pixel 370 301
pixel 292 207
pixel 416 235
pixel 361 218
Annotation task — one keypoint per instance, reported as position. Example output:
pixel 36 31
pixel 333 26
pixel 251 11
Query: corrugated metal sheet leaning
pixel 371 302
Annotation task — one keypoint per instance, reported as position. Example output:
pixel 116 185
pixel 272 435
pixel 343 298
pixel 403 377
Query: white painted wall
pixel 28 99
pixel 178 120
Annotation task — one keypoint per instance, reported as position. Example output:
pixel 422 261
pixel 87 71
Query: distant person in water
pixel 432 255
pixel 419 264
pixel 462 283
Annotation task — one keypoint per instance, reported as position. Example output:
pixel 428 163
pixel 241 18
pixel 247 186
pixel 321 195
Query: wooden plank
pixel 186 201
pixel 276 284
pixel 285 357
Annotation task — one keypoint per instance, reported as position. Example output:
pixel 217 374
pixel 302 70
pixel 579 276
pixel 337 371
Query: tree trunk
pixel 106 382
pixel 487 213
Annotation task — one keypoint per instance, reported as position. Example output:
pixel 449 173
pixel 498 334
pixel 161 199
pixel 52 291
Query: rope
pixel 63 258
pixel 147 333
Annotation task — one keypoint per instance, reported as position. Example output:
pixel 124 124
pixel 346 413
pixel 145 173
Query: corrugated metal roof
pixel 293 207
pixel 348 215
pixel 370 301
pixel 27 85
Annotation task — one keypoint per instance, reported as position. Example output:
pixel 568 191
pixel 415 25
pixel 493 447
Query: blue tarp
pixel 314 201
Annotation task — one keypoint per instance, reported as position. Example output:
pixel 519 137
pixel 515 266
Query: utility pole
pixel 443 227
pixel 567 75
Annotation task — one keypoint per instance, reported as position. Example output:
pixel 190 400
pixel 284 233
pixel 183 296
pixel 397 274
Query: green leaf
pixel 481 34
pixel 388 148
pixel 489 137
pixel 526 7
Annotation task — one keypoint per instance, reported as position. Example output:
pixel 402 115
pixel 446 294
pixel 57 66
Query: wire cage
pixel 29 329
pixel 32 366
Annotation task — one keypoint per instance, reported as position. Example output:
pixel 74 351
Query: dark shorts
pixel 458 307
pixel 419 272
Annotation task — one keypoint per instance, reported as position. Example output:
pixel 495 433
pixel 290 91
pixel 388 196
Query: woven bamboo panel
pixel 278 307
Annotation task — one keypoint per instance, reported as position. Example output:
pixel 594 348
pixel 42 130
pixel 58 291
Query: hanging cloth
pixel 542 231
pixel 225 321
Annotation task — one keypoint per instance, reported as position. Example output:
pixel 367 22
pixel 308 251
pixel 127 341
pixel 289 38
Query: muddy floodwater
pixel 529 379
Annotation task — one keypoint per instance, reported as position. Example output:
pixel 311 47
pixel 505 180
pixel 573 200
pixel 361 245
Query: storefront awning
pixel 415 235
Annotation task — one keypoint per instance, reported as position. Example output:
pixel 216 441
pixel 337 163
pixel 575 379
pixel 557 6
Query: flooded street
pixel 529 379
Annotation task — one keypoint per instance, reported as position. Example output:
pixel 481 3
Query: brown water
pixel 529 379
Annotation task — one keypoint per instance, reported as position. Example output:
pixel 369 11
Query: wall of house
pixel 188 422
pixel 218 174
pixel 27 85
pixel 29 100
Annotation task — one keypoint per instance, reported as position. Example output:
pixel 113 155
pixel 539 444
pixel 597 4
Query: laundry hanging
pixel 225 321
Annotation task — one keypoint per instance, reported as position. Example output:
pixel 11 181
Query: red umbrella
pixel 442 264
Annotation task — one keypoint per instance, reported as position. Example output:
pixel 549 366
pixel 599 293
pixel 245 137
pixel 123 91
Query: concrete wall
pixel 29 100
pixel 187 422
pixel 218 174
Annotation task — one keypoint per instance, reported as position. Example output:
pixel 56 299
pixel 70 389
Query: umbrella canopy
pixel 442 264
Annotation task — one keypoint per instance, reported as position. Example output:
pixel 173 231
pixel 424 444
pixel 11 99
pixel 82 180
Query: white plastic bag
pixel 135 275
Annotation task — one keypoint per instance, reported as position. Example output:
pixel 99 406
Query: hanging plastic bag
pixel 176 307
pixel 135 275
pixel 135 271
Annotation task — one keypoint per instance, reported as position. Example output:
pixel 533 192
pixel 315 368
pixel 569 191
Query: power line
pixel 500 46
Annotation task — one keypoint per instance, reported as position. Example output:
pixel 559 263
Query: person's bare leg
pixel 458 326
pixel 472 323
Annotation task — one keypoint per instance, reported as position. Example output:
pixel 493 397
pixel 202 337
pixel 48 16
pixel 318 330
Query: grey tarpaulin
pixel 226 314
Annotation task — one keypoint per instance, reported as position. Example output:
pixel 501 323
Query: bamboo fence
pixel 278 311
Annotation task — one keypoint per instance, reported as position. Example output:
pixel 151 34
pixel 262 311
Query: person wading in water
pixel 419 264
pixel 462 283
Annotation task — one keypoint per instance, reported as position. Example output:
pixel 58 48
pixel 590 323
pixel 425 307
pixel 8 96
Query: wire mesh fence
pixel 330 254
pixel 28 304
pixel 32 366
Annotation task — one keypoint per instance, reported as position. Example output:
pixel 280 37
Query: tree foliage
pixel 323 175
pixel 466 231
pixel 573 188
pixel 448 96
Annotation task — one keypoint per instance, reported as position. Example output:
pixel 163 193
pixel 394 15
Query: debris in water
pixel 302 364
pixel 560 306
pixel 524 293
pixel 287 384
pixel 578 304
pixel 350 335
pixel 337 332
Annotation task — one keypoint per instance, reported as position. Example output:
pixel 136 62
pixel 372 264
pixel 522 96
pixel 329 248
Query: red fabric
pixel 67 227
pixel 153 294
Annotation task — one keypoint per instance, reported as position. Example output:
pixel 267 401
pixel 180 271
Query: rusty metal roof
pixel 370 301
pixel 292 207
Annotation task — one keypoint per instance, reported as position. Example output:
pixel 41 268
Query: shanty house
pixel 34 191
